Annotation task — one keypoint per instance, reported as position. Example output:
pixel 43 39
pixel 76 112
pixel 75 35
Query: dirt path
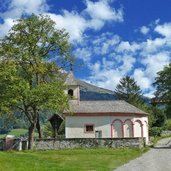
pixel 157 159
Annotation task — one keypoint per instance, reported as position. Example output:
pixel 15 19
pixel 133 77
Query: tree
pixel 128 90
pixel 33 83
pixel 159 117
pixel 163 88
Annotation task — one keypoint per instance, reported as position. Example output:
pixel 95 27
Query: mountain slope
pixel 91 92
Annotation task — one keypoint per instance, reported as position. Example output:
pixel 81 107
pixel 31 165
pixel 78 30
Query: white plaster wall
pixel 75 126
pixel 76 91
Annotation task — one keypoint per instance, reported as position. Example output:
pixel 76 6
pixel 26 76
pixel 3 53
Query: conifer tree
pixel 128 90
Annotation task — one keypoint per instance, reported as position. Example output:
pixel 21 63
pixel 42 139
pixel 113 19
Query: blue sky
pixel 111 38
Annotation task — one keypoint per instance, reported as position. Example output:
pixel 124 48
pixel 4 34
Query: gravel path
pixel 157 159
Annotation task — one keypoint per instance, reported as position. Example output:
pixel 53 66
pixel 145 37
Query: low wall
pixel 13 144
pixel 45 144
pixel 42 144
pixel 2 144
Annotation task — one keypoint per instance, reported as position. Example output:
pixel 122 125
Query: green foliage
pixel 47 130
pixel 29 83
pixel 167 125
pixel 159 117
pixel 6 122
pixel 155 131
pixel 128 90
pixel 100 159
pixel 163 86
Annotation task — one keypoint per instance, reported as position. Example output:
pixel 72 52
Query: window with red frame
pixel 89 128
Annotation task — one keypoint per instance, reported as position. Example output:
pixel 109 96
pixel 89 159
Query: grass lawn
pixel 100 159
pixel 15 132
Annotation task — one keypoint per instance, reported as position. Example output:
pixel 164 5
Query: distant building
pixel 102 118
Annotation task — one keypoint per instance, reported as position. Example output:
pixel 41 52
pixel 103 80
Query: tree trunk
pixel 32 128
pixel 38 128
pixel 31 136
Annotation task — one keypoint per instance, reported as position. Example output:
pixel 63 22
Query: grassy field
pixel 101 159
pixel 15 132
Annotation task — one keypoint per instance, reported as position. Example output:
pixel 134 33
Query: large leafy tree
pixel 163 86
pixel 29 83
pixel 128 90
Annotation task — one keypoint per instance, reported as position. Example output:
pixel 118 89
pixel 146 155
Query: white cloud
pixel 107 73
pixel 94 16
pixel 128 63
pixel 121 58
pixel 101 10
pixel 103 44
pixel 142 80
pixel 16 8
pixel 144 30
pixel 126 46
pixel 83 53
pixel 155 63
pixel 72 22
pixel 153 45
pixel 164 30
pixel 104 77
pixel 5 27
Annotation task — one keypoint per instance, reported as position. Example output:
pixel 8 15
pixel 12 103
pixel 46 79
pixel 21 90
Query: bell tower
pixel 73 89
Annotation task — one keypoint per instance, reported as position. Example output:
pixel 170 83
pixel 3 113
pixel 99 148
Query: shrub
pixel 155 131
pixel 167 125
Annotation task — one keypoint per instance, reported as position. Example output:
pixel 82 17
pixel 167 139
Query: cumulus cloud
pixel 142 80
pixel 164 30
pixel 101 10
pixel 104 74
pixel 5 27
pixel 117 58
pixel 127 46
pixel 107 56
pixel 72 22
pixel 94 16
pixel 144 30
pixel 16 8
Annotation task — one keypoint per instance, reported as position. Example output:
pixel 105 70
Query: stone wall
pixel 42 144
pixel 15 144
pixel 2 144
pixel 45 144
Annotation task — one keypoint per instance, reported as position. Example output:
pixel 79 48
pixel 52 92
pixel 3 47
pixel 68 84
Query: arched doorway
pixel 117 128
pixel 138 129
pixel 128 128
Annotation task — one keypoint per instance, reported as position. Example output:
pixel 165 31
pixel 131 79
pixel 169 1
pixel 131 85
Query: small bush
pixel 167 125
pixel 155 131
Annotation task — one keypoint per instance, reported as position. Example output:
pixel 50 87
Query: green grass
pixel 15 132
pixel 100 159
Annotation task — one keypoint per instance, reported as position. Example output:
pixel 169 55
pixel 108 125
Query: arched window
pixel 70 93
